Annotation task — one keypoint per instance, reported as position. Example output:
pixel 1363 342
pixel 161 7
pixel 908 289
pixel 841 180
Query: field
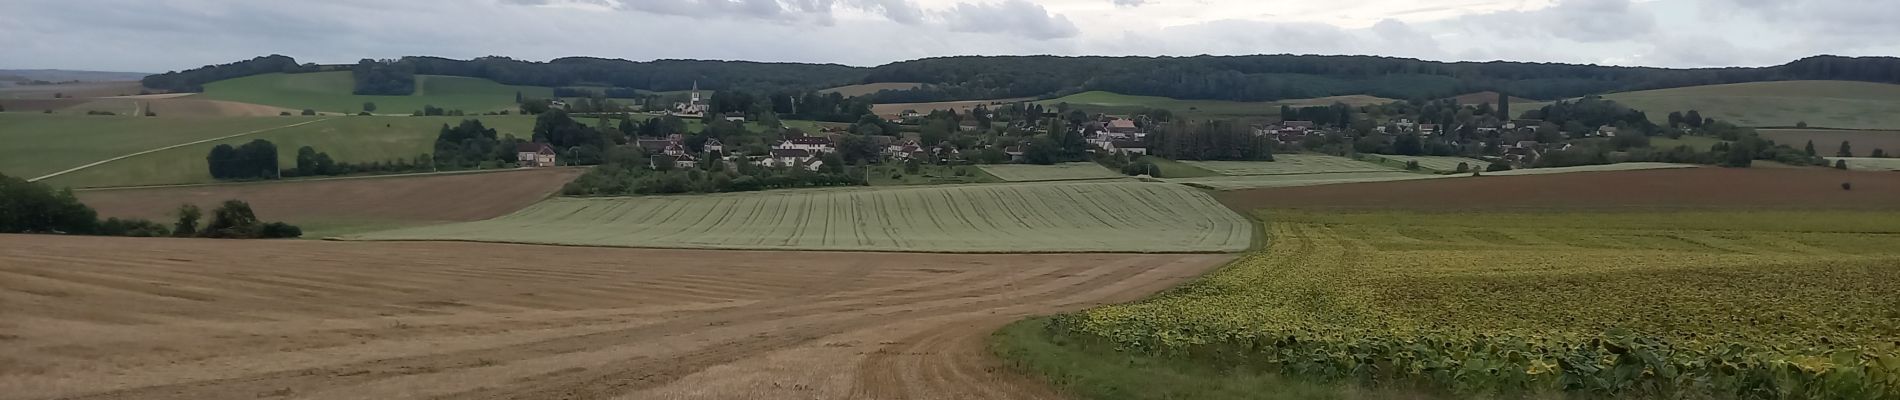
pixel 870 88
pixel 40 144
pixel 1685 304
pixel 1116 103
pixel 337 206
pixel 893 175
pixel 1288 164
pixel 1822 104
pixel 1293 180
pixel 1068 217
pixel 1647 189
pixel 79 90
pixel 1435 163
pixel 1702 143
pixel 1827 142
pixel 959 106
pixel 1868 164
pixel 330 92
pixel 199 319
pixel 1628 166
pixel 347 139
pixel 1060 172
pixel 1176 169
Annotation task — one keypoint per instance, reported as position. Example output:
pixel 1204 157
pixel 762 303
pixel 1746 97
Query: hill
pixel 870 88
pixel 1116 103
pixel 65 75
pixel 331 92
pixel 1821 104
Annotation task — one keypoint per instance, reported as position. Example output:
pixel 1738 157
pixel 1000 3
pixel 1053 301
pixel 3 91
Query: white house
pixel 534 155
pixel 807 143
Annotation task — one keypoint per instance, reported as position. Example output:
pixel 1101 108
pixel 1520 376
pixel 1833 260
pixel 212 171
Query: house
pixel 1123 126
pixel 967 126
pixel 901 148
pixel 735 117
pixel 1128 146
pixel 714 146
pixel 1015 153
pixel 654 146
pixel 1606 131
pixel 680 161
pixel 534 155
pixel 807 143
pixel 787 158
pixel 1428 129
pixel 1299 126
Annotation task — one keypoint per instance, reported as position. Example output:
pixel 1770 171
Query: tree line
pixel 193 80
pixel 30 207
pixel 384 78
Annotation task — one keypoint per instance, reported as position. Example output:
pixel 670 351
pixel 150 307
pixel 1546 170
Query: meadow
pixel 40 144
pixel 1600 304
pixel 1434 163
pixel 1827 142
pixel 331 92
pixel 1290 164
pixel 1068 217
pixel 347 139
pixel 1059 172
pixel 1821 104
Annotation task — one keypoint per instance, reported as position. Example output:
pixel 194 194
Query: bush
pixel 1498 166
pixel 235 220
pixel 98 112
pixel 187 224
pixel 1847 186
pixel 283 113
pixel 1463 168
pixel 309 112
pixel 363 114
pixel 279 230
pixel 1840 164
pixel 132 228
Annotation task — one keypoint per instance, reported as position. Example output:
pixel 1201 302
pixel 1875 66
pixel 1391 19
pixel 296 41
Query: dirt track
pixel 203 319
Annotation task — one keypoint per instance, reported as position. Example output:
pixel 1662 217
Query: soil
pixel 209 319
pixel 1666 188
pixel 419 198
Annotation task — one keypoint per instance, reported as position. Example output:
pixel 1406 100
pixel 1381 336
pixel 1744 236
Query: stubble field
pixel 205 319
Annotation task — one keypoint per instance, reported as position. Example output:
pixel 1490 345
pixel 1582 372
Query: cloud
pixel 1587 21
pixel 1129 3
pixel 1018 17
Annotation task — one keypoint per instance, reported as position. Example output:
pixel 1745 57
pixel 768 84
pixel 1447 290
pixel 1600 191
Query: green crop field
pixel 1166 168
pixel 1828 104
pixel 892 174
pixel 1827 142
pixel 330 92
pixel 1697 304
pixel 1434 163
pixel 347 139
pixel 1273 181
pixel 1060 172
pixel 1868 164
pixel 1291 164
pixel 1066 217
pixel 39 144
pixel 1629 166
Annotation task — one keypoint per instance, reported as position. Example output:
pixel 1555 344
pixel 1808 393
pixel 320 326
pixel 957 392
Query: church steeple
pixel 695 92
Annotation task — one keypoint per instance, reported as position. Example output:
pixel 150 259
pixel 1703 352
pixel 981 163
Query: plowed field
pixel 205 319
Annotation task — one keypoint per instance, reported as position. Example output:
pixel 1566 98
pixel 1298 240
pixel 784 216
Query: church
pixel 693 107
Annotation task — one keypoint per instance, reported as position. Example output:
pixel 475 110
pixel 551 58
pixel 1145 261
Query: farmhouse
pixel 1122 126
pixel 1606 131
pixel 681 161
pixel 713 145
pixel 807 143
pixel 534 155
pixel 1127 146
pixel 1428 129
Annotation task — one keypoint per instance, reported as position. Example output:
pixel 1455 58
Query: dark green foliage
pixel 132 227
pixel 1463 168
pixel 470 144
pixel 1878 153
pixel 1840 164
pixel 309 112
pixel 660 75
pixel 369 107
pixel 1809 148
pixel 27 207
pixel 234 220
pixel 1847 150
pixel 254 160
pixel 1209 140
pixel 384 78
pixel 187 225
pixel 193 80
pixel 628 171
pixel 1586 114
pixel 1497 166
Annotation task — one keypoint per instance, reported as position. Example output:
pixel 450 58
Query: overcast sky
pixel 163 35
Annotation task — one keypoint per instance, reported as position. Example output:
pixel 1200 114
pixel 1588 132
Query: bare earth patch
pixel 208 319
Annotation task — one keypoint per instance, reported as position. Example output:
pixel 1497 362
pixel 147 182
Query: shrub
pixel 308 112
pixel 1498 166
pixel 187 224
pixel 1847 186
pixel 1840 164
pixel 283 113
pixel 1411 165
pixel 279 230
pixel 1463 168
pixel 98 112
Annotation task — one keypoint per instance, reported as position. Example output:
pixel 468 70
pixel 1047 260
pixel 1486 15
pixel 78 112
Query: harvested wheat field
pixel 207 319
pixel 349 205
pixel 1658 188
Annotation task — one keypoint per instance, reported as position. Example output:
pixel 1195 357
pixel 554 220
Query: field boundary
pixel 97 163
pixel 324 179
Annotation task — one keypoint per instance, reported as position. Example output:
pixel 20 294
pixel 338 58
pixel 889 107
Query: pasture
pixel 1707 303
pixel 331 92
pixel 1294 180
pixel 1068 217
pixel 870 88
pixel 334 206
pixel 1290 164
pixel 39 144
pixel 347 139
pixel 1868 164
pixel 1827 142
pixel 177 319
pixel 1060 172
pixel 1434 163
pixel 961 107
pixel 1821 104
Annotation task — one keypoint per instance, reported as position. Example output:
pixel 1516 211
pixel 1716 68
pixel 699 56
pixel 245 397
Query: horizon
pixel 147 36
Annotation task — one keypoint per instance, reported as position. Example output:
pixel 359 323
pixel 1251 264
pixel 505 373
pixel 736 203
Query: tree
pixel 1675 119
pixel 369 107
pixel 1847 150
pixel 1504 106
pixel 1693 119
pixel 232 219
pixel 309 112
pixel 187 225
pixel 1801 124
pixel 1840 164
pixel 1463 168
pixel 1878 153
pixel 1810 148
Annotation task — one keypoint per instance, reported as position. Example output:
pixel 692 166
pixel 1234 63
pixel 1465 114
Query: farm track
pixel 200 319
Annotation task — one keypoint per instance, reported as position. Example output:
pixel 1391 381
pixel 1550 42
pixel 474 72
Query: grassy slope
pixel 1830 104
pixel 1116 103
pixel 330 92
pixel 347 139
pixel 39 144
pixel 1007 218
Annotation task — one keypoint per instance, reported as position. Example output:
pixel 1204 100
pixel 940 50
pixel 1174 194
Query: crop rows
pixel 1071 217
pixel 1435 163
pixel 1273 181
pixel 1059 172
pixel 1291 164
pixel 1690 305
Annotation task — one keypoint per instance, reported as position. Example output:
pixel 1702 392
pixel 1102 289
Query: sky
pixel 165 35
